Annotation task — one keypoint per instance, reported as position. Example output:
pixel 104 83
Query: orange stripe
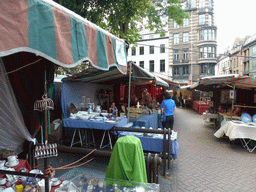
pixel 91 43
pixel 14 24
pixel 110 51
pixel 63 36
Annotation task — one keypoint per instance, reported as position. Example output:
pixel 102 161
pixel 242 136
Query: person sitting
pixel 113 109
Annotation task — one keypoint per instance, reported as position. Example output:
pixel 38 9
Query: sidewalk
pixel 205 163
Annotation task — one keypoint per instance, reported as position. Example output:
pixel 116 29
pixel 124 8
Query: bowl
pixel 104 114
pixel 83 117
pixel 2 181
pixel 95 113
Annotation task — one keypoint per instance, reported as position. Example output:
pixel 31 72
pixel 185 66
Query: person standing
pixel 168 106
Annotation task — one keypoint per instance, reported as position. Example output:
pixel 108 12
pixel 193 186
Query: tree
pixel 126 18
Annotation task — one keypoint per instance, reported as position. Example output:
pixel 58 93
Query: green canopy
pixel 127 161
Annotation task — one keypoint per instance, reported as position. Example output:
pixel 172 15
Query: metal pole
pixel 129 97
pixel 191 48
pixel 232 109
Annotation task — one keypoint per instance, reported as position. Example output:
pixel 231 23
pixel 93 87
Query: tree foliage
pixel 126 18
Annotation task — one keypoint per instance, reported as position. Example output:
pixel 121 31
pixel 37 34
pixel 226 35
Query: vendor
pixel 134 100
pixel 113 109
pixel 146 98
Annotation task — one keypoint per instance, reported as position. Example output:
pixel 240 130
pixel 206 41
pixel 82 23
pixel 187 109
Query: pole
pixel 129 97
pixel 232 109
pixel 191 48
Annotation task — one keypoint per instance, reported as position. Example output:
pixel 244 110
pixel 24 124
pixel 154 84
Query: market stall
pixel 36 37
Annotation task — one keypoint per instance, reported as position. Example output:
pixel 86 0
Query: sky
pixel 233 18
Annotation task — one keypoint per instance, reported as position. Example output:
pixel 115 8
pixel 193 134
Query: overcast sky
pixel 233 18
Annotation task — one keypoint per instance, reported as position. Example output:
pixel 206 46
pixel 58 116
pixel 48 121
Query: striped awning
pixel 245 80
pixel 218 79
pixel 51 31
pixel 97 76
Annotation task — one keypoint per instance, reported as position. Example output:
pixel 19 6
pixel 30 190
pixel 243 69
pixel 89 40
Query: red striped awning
pixel 245 80
pixel 218 79
pixel 49 30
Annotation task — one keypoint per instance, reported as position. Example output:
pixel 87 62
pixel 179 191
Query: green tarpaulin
pixel 127 161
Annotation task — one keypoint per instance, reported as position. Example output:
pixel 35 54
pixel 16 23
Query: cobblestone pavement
pixel 207 163
pixel 204 163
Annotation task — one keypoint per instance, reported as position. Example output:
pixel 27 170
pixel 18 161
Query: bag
pixel 163 116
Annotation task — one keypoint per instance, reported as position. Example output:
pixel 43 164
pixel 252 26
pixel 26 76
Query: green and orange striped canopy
pixel 50 30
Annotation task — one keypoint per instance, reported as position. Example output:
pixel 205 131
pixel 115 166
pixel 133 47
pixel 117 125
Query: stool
pixel 80 137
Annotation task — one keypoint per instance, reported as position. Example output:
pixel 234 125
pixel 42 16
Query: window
pixel 151 36
pixel 142 64
pixel 202 19
pixel 201 52
pixel 176 38
pixel 185 37
pixel 133 51
pixel 207 52
pixel 162 48
pixel 207 34
pixel 151 49
pixel 210 5
pixel 185 70
pixel 141 50
pixel 207 69
pixel 151 66
pixel 175 55
pixel 176 70
pixel 162 65
pixel 175 25
pixel 185 22
pixel 185 54
pixel 210 20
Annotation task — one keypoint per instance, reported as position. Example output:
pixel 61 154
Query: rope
pixel 48 172
pixel 20 67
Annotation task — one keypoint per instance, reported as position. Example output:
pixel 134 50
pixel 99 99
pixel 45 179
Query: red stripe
pixel 14 24
pixel 63 36
pixel 243 81
pixel 91 34
pixel 110 51
pixel 250 81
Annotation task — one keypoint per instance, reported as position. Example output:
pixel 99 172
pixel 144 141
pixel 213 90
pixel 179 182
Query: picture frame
pixel 210 93
pixel 225 96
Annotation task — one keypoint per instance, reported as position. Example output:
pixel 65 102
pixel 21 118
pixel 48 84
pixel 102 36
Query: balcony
pixel 185 60
pixel 201 9
pixel 176 61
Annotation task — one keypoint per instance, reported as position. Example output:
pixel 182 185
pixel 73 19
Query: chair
pixel 127 161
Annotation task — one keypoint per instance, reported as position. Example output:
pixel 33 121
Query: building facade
pixel 223 65
pixel 192 52
pixel 151 53
pixel 249 56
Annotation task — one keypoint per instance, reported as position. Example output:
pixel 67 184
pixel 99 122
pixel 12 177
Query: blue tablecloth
pixel 146 121
pixel 154 144
pixel 88 124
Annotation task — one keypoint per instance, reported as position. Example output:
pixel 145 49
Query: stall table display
pixel 78 124
pixel 146 121
pixel 200 107
pixel 154 142
pixel 235 129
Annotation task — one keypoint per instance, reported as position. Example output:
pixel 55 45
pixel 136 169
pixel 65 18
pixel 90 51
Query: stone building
pixel 192 52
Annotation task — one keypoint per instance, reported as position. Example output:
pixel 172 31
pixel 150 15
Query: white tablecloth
pixel 237 130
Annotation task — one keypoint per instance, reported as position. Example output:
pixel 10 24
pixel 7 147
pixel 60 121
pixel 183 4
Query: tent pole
pixel 129 97
pixel 232 109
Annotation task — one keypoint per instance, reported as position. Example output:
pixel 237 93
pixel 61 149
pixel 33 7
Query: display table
pixel 200 106
pixel 155 142
pixel 146 121
pixel 236 129
pixel 78 124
